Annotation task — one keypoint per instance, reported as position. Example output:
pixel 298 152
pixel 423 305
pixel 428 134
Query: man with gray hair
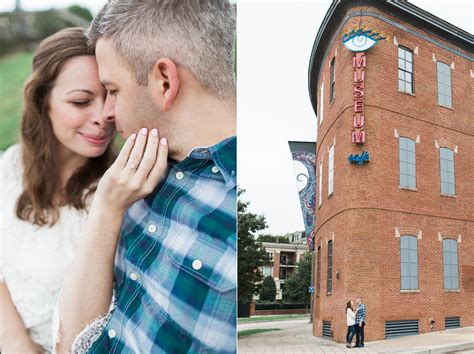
pixel 166 64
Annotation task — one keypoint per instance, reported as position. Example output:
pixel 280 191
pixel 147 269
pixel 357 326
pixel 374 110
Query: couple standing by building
pixel 355 323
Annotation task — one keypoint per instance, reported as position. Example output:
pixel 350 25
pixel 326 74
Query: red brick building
pixel 397 230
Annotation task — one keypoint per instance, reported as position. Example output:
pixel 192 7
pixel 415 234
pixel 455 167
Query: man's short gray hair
pixel 198 34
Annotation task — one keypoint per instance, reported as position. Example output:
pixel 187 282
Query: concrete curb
pixel 444 348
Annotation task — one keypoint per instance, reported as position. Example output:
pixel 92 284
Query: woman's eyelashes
pixel 80 103
pixel 112 92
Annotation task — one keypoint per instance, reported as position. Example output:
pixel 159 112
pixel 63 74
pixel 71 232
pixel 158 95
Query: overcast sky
pixel 274 45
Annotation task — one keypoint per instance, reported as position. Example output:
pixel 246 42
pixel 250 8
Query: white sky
pixel 274 46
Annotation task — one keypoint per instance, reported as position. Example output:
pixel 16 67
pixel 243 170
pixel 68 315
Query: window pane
pixel 413 283
pixel 403 180
pixel 404 242
pixel 413 269
pixel 403 168
pixel 401 85
pixel 413 257
pixel 447 257
pixel 405 269
pixel 403 143
pixel 454 283
pixel 413 243
pixel 411 170
pixel 408 77
pixel 411 181
pixel 408 55
pixel 450 166
pixel 405 283
pixel 408 87
pixel 401 53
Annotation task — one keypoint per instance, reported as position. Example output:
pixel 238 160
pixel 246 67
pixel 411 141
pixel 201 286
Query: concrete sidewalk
pixel 295 336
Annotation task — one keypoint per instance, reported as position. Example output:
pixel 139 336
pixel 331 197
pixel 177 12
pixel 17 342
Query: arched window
pixel 450 261
pixel 318 277
pixel 329 287
pixel 405 70
pixel 407 163
pixel 408 263
pixel 446 163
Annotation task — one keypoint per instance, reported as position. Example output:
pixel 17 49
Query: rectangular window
pixel 444 84
pixel 450 262
pixel 283 273
pixel 329 288
pixel 321 104
pixel 407 163
pixel 320 183
pixel 446 162
pixel 267 271
pixel 270 256
pixel 409 262
pixel 331 170
pixel 318 276
pixel 405 70
pixel 333 78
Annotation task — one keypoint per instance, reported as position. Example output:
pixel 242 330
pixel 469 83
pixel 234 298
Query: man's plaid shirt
pixel 360 315
pixel 175 267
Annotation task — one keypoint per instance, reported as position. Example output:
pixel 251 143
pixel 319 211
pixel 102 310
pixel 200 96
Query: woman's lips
pixel 97 140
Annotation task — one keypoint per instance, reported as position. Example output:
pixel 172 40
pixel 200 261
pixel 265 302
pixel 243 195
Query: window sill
pixel 450 108
pixel 328 294
pixel 452 290
pixel 407 93
pixel 410 291
pixel 330 195
pixel 449 195
pixel 408 189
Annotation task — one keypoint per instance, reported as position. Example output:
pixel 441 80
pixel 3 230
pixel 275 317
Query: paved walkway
pixel 295 336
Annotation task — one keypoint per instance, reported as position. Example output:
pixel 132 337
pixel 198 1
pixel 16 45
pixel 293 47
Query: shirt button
pixel 197 264
pixel 215 169
pixel 152 228
pixel 112 333
pixel 179 175
pixel 134 276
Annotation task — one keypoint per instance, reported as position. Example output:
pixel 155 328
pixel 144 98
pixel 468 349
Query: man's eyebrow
pixel 80 90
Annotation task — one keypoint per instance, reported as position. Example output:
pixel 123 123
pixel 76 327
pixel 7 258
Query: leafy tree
pixel 81 12
pixel 273 238
pixel 268 291
pixel 251 254
pixel 297 284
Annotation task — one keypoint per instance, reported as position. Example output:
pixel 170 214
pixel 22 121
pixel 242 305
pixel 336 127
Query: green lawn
pixel 271 318
pixel 14 70
pixel 248 332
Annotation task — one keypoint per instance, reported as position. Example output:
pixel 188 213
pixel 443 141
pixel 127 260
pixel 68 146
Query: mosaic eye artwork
pixel 360 40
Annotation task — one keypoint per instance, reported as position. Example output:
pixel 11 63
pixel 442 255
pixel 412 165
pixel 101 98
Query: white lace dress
pixel 33 260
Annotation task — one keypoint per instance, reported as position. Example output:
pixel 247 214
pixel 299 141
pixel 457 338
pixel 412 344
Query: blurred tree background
pixel 20 33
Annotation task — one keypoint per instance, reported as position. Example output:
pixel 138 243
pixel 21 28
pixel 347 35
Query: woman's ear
pixel 165 78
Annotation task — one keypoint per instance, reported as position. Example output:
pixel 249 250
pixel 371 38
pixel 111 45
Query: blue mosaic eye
pixel 361 40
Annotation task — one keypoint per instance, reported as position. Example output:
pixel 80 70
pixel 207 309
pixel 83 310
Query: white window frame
pixel 331 171
pixel 320 183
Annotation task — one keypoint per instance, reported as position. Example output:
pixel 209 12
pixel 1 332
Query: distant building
pixel 283 258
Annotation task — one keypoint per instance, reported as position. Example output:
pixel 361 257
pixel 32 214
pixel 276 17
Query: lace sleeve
pixel 86 338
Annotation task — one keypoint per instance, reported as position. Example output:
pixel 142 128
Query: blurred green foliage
pixel 14 70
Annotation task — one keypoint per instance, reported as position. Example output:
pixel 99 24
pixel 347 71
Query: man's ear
pixel 165 77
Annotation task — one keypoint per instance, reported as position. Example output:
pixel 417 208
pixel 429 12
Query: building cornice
pixel 405 11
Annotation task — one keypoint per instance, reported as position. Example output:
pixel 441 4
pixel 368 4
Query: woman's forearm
pixel 11 324
pixel 87 289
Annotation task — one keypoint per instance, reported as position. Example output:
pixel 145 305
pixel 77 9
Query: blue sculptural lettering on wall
pixel 360 158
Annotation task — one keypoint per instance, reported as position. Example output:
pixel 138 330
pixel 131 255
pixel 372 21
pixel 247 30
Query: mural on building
pixel 304 163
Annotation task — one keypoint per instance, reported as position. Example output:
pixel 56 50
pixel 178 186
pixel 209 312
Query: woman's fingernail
pixel 163 141
pixel 144 131
pixel 133 136
pixel 154 132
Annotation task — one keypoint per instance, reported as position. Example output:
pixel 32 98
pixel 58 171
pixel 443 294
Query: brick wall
pixel 368 205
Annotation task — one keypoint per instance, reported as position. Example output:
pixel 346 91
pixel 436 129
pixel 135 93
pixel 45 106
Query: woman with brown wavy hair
pixel 46 185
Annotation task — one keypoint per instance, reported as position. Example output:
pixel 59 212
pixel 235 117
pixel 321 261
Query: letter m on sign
pixel 359 62
pixel 358 136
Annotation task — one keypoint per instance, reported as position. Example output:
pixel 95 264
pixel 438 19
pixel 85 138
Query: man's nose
pixel 108 112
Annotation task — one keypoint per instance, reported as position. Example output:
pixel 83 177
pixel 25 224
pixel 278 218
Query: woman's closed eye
pixel 81 103
pixel 112 92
